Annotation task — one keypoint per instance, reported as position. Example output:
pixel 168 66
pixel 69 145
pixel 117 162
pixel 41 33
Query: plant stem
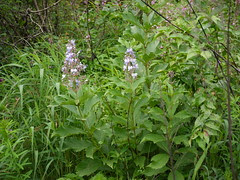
pixel 234 174
pixel 170 154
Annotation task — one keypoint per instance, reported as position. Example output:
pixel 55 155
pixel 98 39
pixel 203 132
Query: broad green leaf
pixel 75 144
pixel 182 115
pixel 131 18
pixel 158 114
pixel 72 108
pixel 206 54
pixel 191 53
pixel 210 105
pixel 88 167
pixel 152 46
pixel 90 103
pixel 153 138
pixel 216 20
pixel 90 151
pixel 161 67
pixel 212 125
pixel 99 176
pixel 181 139
pixel 109 162
pixel 159 161
pixel 139 161
pixel 148 125
pixel 200 161
pixel 118 119
pixel 142 6
pixel 151 172
pixel 65 131
pixel 138 34
pixel 137 83
pixel 146 23
pixel 178 176
pixel 185 159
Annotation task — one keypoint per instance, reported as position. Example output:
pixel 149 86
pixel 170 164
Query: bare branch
pixel 44 9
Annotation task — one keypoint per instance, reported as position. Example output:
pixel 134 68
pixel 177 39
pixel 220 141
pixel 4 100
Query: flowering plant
pixel 72 67
pixel 130 64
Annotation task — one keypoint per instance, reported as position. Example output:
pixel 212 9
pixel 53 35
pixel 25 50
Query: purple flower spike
pixel 72 67
pixel 130 63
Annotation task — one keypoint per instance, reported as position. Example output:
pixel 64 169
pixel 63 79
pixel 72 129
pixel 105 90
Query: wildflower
pixel 130 63
pixel 153 2
pixel 104 2
pixel 72 67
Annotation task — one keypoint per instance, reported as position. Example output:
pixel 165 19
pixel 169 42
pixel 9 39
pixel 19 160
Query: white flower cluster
pixel 130 63
pixel 72 67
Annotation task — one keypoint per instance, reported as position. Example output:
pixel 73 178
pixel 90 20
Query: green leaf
pixel 191 53
pixel 137 83
pixel 138 34
pixel 65 131
pixel 131 18
pixel 90 151
pixel 90 103
pixel 206 54
pixel 178 176
pixel 185 159
pixel 72 108
pixel 139 161
pixel 88 167
pixel 200 161
pixel 152 46
pixel 151 172
pixel 210 105
pixel 161 67
pixel 75 144
pixel 153 138
pixel 182 115
pixel 99 176
pixel 159 161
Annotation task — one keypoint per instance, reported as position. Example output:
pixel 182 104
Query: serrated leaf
pixel 90 151
pixel 65 131
pixel 153 138
pixel 75 144
pixel 72 108
pixel 159 161
pixel 88 167
pixel 139 161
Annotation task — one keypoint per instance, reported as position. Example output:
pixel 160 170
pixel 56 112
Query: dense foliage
pixel 119 89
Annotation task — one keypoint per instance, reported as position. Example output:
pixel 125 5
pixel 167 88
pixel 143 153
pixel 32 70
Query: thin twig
pixel 40 27
pixel 44 9
pixel 89 34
